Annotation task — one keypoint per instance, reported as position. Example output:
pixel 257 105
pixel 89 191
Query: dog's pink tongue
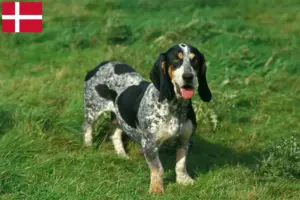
pixel 187 93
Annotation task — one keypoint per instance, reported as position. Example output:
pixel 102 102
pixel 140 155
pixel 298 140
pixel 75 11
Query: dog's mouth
pixel 186 91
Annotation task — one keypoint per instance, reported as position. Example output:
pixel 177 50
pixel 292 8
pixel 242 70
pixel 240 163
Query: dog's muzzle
pixel 187 91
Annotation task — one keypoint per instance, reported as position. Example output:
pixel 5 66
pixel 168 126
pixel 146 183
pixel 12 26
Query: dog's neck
pixel 179 104
pixel 176 105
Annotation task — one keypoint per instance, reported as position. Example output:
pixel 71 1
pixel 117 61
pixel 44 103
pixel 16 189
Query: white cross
pixel 17 17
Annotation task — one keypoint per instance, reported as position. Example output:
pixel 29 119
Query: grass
pixel 252 48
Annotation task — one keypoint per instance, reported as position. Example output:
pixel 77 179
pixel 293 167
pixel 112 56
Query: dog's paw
pixel 156 183
pixel 184 180
pixel 156 188
pixel 124 155
pixel 88 144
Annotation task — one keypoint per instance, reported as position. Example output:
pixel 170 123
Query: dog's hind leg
pixel 89 118
pixel 97 99
pixel 87 133
pixel 118 143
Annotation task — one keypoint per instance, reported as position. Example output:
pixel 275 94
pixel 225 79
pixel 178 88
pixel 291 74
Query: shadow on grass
pixel 205 156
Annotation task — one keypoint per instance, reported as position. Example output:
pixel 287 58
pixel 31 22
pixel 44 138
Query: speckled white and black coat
pixel 150 113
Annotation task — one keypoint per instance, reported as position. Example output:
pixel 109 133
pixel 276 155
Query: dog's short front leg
pixel 182 175
pixel 156 171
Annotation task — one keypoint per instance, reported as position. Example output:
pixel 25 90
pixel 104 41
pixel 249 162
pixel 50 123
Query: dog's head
pixel 175 73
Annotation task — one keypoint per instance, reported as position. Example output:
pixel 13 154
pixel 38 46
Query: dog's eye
pixel 193 61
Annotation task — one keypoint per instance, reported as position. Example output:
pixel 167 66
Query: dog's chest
pixel 169 129
pixel 171 122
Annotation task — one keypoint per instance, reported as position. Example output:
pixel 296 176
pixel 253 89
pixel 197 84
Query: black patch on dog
pixel 105 92
pixel 129 102
pixel 191 114
pixel 91 73
pixel 122 68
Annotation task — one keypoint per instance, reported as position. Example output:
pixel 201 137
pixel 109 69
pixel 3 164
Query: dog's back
pixel 112 75
pixel 104 84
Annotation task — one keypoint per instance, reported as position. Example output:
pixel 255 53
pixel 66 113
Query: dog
pixel 149 112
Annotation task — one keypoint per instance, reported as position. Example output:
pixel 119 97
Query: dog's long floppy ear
pixel 161 80
pixel 203 89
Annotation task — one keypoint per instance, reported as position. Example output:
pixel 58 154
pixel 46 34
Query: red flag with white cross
pixel 22 17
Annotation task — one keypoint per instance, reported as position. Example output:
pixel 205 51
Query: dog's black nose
pixel 187 76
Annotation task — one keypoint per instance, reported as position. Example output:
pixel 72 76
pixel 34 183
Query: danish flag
pixel 22 17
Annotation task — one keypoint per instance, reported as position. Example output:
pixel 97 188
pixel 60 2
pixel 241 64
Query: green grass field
pixel 243 147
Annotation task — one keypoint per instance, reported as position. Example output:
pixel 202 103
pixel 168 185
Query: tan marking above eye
pixel 191 55
pixel 180 55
